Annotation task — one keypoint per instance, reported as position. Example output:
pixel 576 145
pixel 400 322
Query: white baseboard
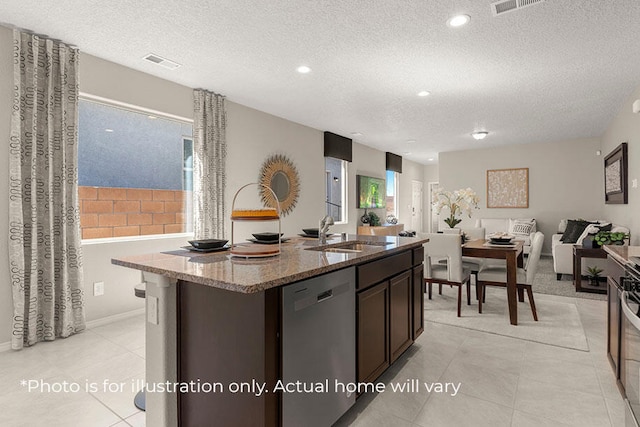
pixel 110 319
pixel 6 346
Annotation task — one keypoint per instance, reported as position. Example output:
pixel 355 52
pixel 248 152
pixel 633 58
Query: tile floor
pixel 505 381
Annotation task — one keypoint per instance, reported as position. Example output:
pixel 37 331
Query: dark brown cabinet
pixel 373 332
pixel 418 301
pixel 400 314
pixel 389 309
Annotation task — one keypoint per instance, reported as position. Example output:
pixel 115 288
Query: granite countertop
pixel 221 270
pixel 622 253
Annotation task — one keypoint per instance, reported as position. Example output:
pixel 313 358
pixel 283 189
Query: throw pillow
pixel 521 227
pixel 575 228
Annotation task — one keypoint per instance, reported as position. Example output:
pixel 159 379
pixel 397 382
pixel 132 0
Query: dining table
pixel 513 254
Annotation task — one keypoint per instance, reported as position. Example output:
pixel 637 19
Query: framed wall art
pixel 508 188
pixel 616 175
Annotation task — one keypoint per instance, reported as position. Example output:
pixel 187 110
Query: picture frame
pixel 508 188
pixel 616 172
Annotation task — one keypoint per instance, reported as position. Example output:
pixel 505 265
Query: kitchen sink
pixel 348 247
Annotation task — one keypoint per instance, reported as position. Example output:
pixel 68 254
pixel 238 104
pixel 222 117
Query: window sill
pixel 89 242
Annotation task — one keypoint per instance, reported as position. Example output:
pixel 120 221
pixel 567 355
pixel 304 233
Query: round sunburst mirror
pixel 280 174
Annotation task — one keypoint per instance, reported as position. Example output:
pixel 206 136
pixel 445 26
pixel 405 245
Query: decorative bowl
pixel 267 237
pixel 207 243
pixel 311 231
pixel 501 238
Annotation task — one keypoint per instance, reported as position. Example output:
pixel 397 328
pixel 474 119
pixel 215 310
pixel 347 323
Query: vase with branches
pixel 457 202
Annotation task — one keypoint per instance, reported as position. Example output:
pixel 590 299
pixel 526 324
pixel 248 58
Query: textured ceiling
pixel 557 70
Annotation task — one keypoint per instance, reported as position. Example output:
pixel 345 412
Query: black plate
pixel 207 250
pixel 311 231
pixel 267 236
pixel 207 243
pixel 501 242
pixel 313 236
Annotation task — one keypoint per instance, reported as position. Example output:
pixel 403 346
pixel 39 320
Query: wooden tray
pixel 254 251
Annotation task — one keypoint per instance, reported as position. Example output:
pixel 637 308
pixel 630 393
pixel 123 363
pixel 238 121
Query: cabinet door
pixel 400 314
pixel 373 332
pixel 418 301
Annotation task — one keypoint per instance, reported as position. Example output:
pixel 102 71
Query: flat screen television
pixel 371 192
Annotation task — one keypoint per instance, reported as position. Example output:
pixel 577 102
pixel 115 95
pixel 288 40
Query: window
pixel 392 193
pixel 135 172
pixel 336 179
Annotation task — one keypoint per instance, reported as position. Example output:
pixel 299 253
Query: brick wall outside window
pixel 119 212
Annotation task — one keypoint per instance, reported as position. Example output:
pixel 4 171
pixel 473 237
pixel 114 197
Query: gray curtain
pixel 44 219
pixel 209 170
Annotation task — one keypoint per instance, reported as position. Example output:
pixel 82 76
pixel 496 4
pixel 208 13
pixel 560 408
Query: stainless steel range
pixel 630 341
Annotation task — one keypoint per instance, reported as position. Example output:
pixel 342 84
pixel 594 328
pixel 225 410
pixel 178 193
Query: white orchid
pixel 458 202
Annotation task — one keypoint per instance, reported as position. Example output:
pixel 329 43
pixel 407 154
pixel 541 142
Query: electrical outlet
pixel 634 183
pixel 98 289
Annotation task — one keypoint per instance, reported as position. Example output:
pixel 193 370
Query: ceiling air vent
pixel 504 6
pixel 163 62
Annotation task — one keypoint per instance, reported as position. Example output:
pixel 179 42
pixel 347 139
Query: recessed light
pixel 356 134
pixel 108 130
pixel 152 117
pixel 303 69
pixel 411 141
pixel 479 135
pixel 424 93
pixel 458 20
pixel 430 159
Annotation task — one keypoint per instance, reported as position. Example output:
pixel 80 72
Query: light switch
pixel 634 183
pixel 152 310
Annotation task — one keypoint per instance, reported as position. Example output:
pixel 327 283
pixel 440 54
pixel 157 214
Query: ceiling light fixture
pixel 479 135
pixel 430 159
pixel 356 134
pixel 108 130
pixel 411 141
pixel 303 69
pixel 458 20
pixel 424 93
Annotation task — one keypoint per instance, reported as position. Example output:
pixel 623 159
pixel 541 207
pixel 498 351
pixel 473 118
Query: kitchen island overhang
pixel 216 319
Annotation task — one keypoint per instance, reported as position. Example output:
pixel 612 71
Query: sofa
pixel 522 228
pixel 562 251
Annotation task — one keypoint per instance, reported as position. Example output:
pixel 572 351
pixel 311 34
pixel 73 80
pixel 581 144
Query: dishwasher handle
pixel 325 295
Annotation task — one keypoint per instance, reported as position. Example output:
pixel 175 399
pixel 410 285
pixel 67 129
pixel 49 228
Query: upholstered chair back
pixel 537 240
pixel 448 246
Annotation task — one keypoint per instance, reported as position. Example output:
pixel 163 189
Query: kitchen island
pixel 217 328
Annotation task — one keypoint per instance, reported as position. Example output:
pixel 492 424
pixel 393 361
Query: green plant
pixel 610 238
pixel 594 271
pixel 374 219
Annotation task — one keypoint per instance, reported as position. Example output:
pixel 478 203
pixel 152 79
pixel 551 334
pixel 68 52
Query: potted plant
pixel 610 238
pixel 374 219
pixel 594 275
pixel 459 201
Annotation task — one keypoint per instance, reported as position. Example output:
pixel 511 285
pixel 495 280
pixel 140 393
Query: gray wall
pixel 625 127
pixel 565 180
pixel 251 135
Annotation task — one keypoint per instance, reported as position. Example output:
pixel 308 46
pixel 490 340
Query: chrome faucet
pixel 323 227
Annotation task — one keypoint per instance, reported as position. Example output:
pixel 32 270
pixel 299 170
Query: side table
pixel 583 285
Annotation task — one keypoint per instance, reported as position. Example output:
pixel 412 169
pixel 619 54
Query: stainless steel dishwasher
pixel 318 348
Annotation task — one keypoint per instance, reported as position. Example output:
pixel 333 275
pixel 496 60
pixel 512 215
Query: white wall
pixel 625 127
pixel 565 180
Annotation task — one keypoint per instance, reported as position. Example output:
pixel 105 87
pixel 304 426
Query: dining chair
pixel 449 248
pixel 494 275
